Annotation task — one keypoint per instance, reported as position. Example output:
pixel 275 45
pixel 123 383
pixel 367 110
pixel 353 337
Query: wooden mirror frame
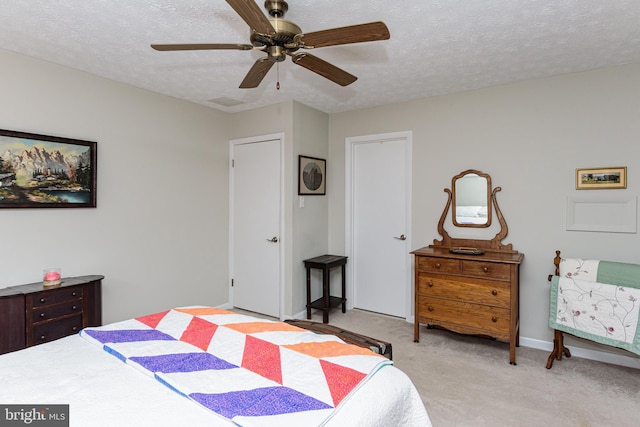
pixel 487 205
pixel 494 244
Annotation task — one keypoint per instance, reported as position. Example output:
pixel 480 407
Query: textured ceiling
pixel 436 46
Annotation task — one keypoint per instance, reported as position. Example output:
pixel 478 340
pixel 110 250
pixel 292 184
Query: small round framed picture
pixel 312 176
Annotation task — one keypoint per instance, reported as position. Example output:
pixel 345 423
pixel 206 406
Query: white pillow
pixel 467 210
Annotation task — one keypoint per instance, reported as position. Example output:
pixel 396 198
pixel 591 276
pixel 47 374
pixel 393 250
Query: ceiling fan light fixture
pixel 277 53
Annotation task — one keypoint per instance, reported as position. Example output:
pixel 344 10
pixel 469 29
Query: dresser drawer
pixel 55 296
pixel 468 294
pixel 490 320
pixel 486 269
pixel 468 289
pixel 50 331
pixel 47 312
pixel 438 265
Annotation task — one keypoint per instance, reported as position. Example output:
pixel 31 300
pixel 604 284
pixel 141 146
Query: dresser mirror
pixel 473 202
pixel 471 199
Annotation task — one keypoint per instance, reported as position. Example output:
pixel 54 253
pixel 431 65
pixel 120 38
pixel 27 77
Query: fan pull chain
pixel 278 76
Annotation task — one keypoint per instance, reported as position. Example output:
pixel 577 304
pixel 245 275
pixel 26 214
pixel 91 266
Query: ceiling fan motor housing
pixel 284 36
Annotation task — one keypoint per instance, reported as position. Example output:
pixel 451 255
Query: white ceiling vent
pixel 226 102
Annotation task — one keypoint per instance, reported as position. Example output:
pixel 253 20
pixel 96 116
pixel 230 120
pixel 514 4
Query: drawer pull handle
pixel 42 337
pixel 430 308
pixel 75 328
pixel 41 299
pixel 74 293
pixel 438 265
pixel 494 319
pixel 430 284
pixel 494 292
pixel 42 314
pixel 485 269
pixel 74 308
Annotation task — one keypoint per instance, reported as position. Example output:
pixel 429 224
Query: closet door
pixel 255 225
pixel 380 209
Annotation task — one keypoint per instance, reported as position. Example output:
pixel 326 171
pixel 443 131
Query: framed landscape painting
pixel 601 178
pixel 39 171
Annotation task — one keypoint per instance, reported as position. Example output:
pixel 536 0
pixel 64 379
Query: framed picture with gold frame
pixel 601 178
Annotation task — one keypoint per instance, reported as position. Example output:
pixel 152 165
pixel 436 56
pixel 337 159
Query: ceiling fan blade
pixel 201 46
pixel 252 15
pixel 325 69
pixel 257 72
pixel 370 32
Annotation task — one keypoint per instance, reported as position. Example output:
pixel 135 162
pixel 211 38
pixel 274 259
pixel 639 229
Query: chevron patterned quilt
pixel 248 370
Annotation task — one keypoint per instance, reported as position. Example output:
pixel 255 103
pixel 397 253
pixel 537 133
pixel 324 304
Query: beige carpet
pixel 468 381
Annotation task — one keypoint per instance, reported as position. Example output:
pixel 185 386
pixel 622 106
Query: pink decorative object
pixel 52 277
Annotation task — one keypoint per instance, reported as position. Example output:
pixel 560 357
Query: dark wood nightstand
pixel 326 263
pixel 32 314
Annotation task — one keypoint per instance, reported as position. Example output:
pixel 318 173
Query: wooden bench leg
pixel 558 348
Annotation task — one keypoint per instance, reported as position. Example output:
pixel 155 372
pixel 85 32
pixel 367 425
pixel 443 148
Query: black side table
pixel 325 263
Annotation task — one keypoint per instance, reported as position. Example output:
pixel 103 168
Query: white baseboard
pixel 300 315
pixel 227 306
pixel 597 355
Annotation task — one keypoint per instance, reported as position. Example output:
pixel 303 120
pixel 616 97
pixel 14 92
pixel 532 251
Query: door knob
pixel 402 237
pixel 274 239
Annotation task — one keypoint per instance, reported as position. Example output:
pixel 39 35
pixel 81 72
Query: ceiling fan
pixel 278 38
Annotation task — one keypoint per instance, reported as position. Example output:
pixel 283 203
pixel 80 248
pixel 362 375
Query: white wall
pixel 159 232
pixel 530 137
pixel 310 223
pixel 305 132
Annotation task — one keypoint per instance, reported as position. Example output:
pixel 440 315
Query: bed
pixel 595 300
pixel 200 366
pixel 471 214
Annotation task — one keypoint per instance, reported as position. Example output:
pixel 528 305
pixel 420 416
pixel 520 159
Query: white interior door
pixel 256 225
pixel 380 220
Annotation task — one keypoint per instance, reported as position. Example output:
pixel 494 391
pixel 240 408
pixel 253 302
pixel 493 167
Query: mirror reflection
pixel 471 199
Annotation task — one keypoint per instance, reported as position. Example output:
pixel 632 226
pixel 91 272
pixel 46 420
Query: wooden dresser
pixel 470 286
pixel 32 314
pixel 469 294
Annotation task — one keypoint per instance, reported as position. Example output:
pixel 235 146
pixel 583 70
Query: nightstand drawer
pixel 486 269
pixel 439 265
pixel 58 310
pixel 55 296
pixel 466 289
pixel 50 331
pixel 476 316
